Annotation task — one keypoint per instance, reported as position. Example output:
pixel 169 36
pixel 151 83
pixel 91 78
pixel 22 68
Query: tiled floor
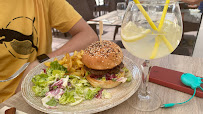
pixel 58 41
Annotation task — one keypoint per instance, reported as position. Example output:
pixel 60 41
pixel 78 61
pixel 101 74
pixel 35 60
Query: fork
pixel 16 73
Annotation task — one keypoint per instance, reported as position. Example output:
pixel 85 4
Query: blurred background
pixel 90 9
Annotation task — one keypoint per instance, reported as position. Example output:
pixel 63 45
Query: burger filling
pixel 115 70
pixel 118 73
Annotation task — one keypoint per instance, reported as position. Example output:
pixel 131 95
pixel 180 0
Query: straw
pixel 168 44
pixel 163 15
pixel 157 42
pixel 100 31
pixel 156 46
pixel 151 23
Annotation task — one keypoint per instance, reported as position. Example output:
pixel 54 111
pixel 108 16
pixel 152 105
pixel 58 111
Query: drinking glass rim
pixel 147 2
pixel 121 3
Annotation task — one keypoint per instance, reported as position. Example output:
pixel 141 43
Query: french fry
pixel 67 56
pixel 79 56
pixel 61 62
pixel 82 71
pixel 76 67
pixel 55 59
pixel 72 69
pixel 47 64
pixel 73 63
pixel 75 53
pixel 77 73
pixel 82 52
pixel 79 63
pixel 65 65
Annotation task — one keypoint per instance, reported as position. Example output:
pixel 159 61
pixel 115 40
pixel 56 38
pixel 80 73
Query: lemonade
pixel 141 42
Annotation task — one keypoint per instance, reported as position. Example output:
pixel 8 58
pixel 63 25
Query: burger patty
pixel 115 70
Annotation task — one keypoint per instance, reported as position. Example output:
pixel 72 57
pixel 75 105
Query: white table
pixel 109 19
pixel 175 62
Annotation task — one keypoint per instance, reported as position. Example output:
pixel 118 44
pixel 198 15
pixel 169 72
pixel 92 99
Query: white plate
pixel 119 93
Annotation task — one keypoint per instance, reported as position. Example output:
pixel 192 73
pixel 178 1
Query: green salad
pixel 57 87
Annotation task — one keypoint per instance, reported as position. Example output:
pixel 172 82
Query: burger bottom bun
pixel 102 84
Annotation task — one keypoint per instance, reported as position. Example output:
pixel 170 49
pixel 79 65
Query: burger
pixel 104 66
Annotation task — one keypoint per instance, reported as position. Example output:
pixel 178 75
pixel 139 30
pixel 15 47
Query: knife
pixel 17 72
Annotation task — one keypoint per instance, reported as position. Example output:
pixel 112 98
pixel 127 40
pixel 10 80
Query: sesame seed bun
pixel 102 57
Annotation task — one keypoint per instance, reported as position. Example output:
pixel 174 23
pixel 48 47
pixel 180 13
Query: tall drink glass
pixel 150 29
pixel 121 7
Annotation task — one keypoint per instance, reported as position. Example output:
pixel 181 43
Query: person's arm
pixel 192 2
pixel 82 36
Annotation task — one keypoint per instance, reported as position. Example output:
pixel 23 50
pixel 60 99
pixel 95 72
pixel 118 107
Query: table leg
pixel 116 31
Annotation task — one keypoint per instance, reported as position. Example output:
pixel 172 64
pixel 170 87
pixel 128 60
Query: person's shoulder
pixel 47 1
pixel 51 2
pixel 54 0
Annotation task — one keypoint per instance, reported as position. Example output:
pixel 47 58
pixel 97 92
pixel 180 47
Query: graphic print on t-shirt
pixel 20 37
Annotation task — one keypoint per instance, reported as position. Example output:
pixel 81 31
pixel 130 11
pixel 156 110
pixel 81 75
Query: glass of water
pixel 121 7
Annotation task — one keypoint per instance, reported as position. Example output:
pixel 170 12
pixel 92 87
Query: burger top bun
pixel 102 57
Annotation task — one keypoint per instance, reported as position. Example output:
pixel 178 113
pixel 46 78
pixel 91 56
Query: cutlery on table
pixel 17 73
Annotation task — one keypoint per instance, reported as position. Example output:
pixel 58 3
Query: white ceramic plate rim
pixel 112 104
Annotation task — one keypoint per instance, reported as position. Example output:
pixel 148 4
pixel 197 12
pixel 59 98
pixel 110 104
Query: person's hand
pixel 30 67
pixel 192 2
pixel 193 6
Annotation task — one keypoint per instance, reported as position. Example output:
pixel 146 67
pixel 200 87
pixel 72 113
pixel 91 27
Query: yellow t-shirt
pixel 25 32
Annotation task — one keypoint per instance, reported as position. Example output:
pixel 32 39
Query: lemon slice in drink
pixel 168 25
pixel 131 32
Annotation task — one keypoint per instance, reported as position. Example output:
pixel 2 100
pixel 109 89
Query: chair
pixel 114 5
pixel 102 8
pixel 191 23
pixel 85 8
